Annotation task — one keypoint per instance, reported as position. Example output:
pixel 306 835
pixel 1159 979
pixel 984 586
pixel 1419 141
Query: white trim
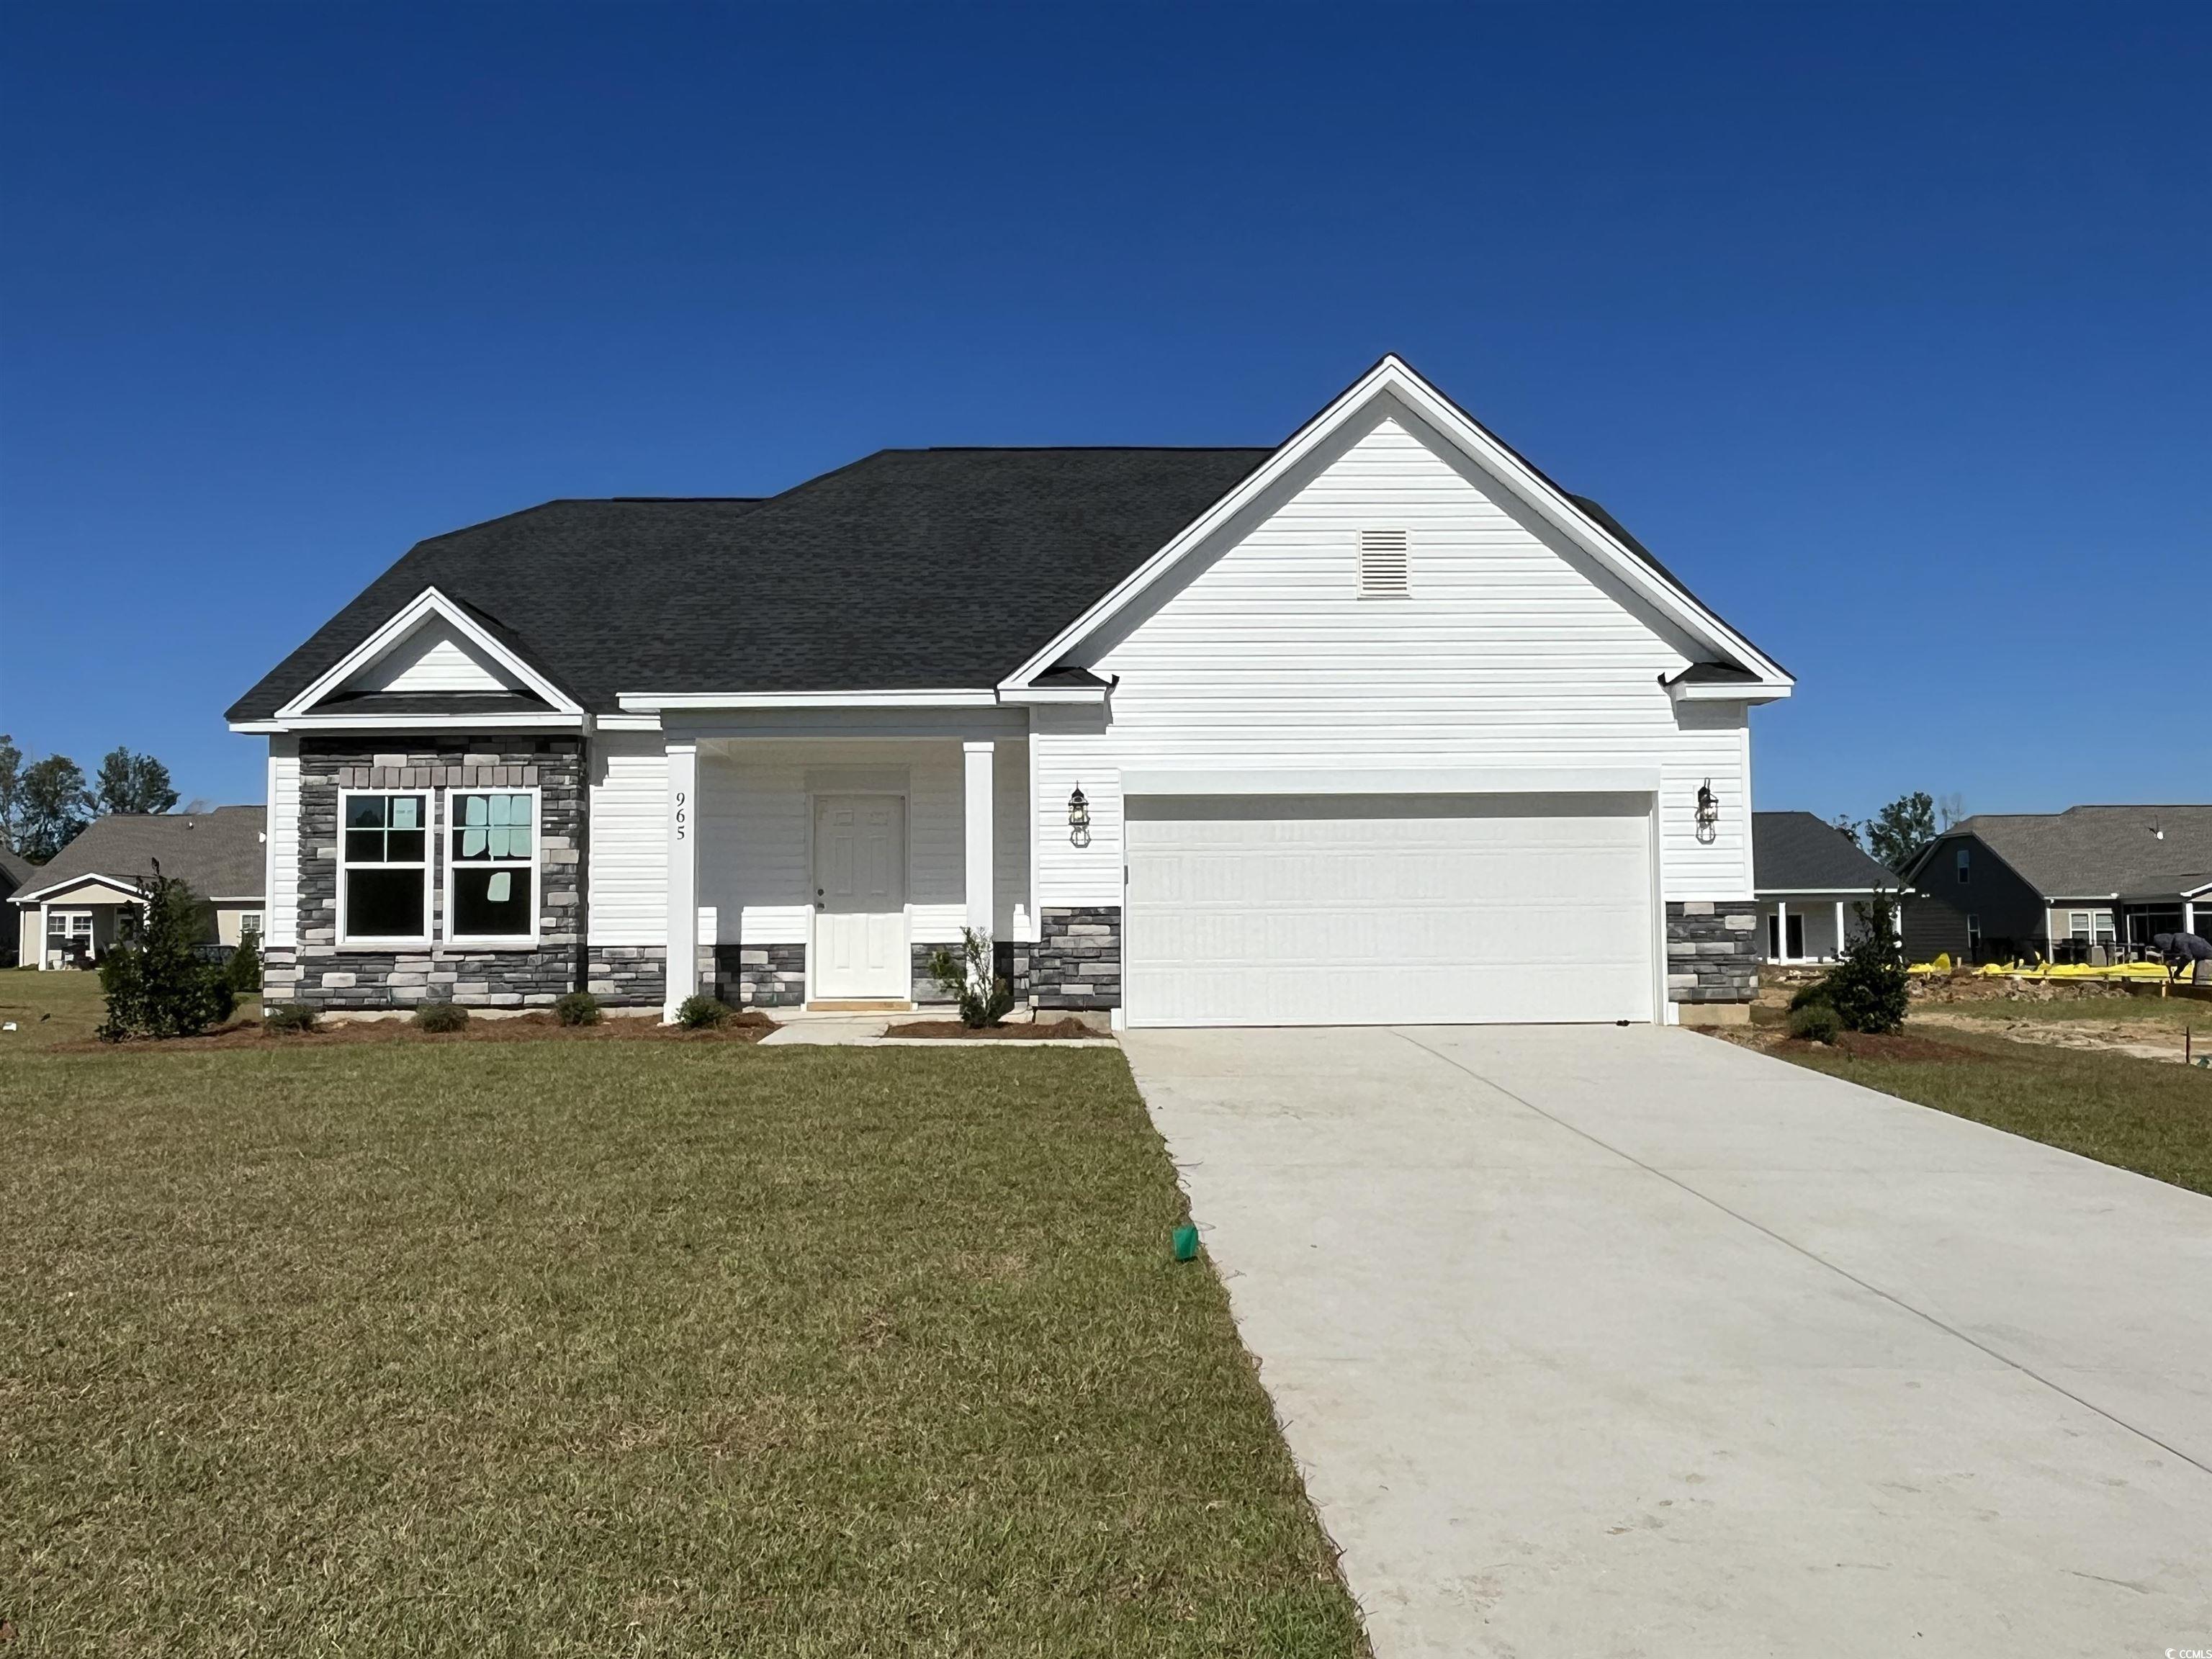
pixel 1815 892
pixel 654 703
pixel 1762 690
pixel 2205 891
pixel 680 965
pixel 378 942
pixel 558 722
pixel 628 722
pixel 427 603
pixel 1392 376
pixel 1396 780
pixel 130 890
pixel 1026 695
pixel 495 941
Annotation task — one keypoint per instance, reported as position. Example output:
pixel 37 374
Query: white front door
pixel 859 897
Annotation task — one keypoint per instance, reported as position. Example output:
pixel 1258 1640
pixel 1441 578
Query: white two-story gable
pixel 1379 724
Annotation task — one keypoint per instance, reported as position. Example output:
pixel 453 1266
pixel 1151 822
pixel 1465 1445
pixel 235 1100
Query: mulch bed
pixel 1053 1030
pixel 748 1026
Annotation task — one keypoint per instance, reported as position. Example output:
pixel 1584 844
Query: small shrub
pixel 702 1013
pixel 967 980
pixel 289 1018
pixel 243 971
pixel 1816 1022
pixel 1813 995
pixel 442 1016
pixel 157 986
pixel 1869 988
pixel 577 1008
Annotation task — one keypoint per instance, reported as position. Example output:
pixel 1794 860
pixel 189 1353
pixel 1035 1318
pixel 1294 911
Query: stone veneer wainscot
pixel 324 974
pixel 1709 954
pixel 1077 960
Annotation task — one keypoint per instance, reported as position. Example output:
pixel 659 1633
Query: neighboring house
pixel 2089 883
pixel 15 870
pixel 1810 877
pixel 77 904
pixel 1378 725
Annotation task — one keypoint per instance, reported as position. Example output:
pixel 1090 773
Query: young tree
pixel 133 783
pixel 52 806
pixel 157 986
pixel 1901 829
pixel 11 789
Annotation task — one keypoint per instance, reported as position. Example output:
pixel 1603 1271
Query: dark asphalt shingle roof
pixel 218 855
pixel 2084 852
pixel 911 569
pixel 14 871
pixel 1797 851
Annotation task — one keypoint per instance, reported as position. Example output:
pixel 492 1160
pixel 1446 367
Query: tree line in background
pixel 1901 829
pixel 45 804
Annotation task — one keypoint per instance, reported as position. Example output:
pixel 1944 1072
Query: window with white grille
pixel 1383 564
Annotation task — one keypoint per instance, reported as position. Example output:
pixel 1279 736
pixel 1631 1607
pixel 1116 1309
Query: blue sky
pixel 1889 328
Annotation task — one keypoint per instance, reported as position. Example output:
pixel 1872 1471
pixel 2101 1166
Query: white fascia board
pixel 1396 780
pixel 127 889
pixel 429 603
pixel 628 722
pixel 656 703
pixel 413 723
pixel 2205 891
pixel 1394 376
pixel 1818 892
pixel 1763 691
pixel 1026 696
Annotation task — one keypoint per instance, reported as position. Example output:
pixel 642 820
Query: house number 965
pixel 682 818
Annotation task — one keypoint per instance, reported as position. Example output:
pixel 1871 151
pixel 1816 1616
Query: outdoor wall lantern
pixel 1078 818
pixel 1709 812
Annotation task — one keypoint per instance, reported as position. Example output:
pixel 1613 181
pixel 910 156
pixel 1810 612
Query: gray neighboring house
pixel 72 908
pixel 2091 884
pixel 1809 877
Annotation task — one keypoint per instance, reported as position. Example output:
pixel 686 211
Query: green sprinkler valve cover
pixel 1186 1243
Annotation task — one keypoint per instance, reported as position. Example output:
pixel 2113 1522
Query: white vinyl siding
pixel 757 830
pixel 627 882
pixel 433 658
pixel 282 887
pixel 1511 650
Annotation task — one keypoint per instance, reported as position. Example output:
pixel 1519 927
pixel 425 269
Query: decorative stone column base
pixel 1077 960
pixel 1709 954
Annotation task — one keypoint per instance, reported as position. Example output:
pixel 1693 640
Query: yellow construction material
pixel 2147 971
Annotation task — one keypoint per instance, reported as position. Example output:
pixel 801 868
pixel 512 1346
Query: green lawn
pixel 2152 1116
pixel 544 1348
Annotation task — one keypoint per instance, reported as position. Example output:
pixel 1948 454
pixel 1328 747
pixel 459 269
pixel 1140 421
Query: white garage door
pixel 1396 910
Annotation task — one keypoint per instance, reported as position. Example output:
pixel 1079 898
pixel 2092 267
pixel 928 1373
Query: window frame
pixel 449 933
pixel 429 867
pixel 250 922
pixel 1974 933
pixel 1965 864
pixel 57 924
pixel 2082 927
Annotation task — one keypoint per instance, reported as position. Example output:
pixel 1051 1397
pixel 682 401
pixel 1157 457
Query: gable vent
pixel 1383 563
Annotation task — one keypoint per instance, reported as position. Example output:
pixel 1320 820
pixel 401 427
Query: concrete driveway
pixel 1598 1340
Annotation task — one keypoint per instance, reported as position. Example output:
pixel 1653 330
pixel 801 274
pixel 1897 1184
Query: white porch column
pixel 2189 915
pixel 1782 931
pixel 683 874
pixel 44 923
pixel 979 804
pixel 1839 930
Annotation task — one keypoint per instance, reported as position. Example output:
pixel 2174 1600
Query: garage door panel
pixel 1292 910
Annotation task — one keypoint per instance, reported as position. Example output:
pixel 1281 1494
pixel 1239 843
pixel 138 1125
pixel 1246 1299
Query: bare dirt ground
pixel 2144 1039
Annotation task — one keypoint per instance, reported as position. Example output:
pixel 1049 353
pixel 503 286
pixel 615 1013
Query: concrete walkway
pixel 1626 1341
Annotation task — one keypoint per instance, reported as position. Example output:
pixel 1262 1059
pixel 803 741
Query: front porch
pixel 827 869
